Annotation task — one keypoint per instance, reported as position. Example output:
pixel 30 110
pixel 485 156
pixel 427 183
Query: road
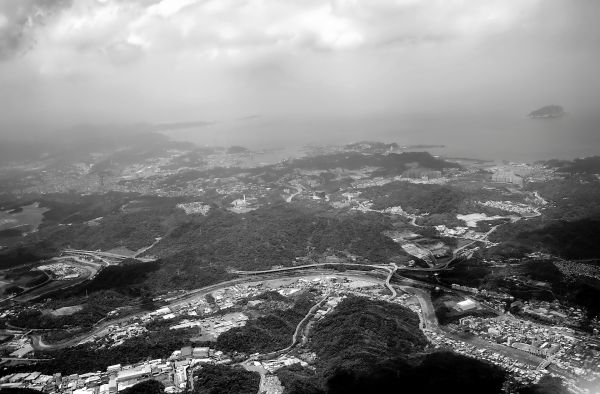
pixel 389 278
pixel 297 332
pixel 33 360
pixel 427 317
pixel 147 248
pixel 39 344
pixel 305 266
pixel 249 366
pixel 305 320
pixel 413 221
pixel 428 320
pixel 455 252
pixel 51 286
pixel 391 269
pixel 108 255
pixel 385 267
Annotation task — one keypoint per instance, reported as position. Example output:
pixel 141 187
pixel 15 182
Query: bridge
pixel 390 269
pixel 385 267
pixel 307 266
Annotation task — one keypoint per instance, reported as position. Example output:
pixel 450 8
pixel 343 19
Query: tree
pixel 146 387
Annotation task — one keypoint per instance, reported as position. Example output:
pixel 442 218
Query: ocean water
pixel 484 136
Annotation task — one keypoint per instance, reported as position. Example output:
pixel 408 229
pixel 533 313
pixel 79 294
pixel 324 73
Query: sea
pixel 490 136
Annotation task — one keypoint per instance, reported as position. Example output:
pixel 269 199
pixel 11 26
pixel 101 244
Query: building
pixel 113 368
pixel 544 350
pixel 464 288
pixel 129 377
pixel 180 374
pixel 504 176
pixel 22 351
pixel 161 311
pixel 466 305
pixel 240 202
pixel 201 352
pixel 186 352
pixel 421 173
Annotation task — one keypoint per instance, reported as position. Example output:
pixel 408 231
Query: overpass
pixel 308 266
pixel 391 270
pixel 319 265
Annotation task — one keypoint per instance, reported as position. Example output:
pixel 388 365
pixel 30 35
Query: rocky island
pixel 549 111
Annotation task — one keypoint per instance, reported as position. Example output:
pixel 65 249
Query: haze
pixel 276 71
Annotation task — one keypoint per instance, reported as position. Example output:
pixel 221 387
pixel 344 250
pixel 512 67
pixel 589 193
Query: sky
pixel 289 63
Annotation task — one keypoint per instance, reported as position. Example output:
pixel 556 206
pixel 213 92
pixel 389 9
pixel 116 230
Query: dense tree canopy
pixel 220 379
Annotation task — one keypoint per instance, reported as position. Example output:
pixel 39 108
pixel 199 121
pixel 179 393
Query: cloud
pixel 156 60
pixel 181 125
pixel 218 28
pixel 123 52
pixel 19 19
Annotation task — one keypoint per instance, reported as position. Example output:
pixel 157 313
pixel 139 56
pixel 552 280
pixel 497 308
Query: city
pixel 299 197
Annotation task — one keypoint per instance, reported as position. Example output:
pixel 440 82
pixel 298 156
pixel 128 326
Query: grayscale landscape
pixel 288 197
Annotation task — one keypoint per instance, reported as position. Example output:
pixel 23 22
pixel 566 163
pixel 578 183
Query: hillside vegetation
pixel 267 333
pixel 277 235
pixel 375 346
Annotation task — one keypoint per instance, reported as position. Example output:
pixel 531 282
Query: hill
pixel 549 111
pixel 374 346
pixel 393 163
pixel 586 165
pixel 277 234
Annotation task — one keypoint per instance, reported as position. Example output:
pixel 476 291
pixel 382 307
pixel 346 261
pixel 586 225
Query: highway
pixel 249 276
pixel 391 269
pixel 385 267
pixel 306 266
pixel 74 254
pixel 39 344
pixel 428 318
pixel 456 252
pixel 47 287
pixel 108 255
pixel 24 359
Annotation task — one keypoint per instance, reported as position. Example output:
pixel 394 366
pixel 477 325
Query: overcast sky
pixel 64 62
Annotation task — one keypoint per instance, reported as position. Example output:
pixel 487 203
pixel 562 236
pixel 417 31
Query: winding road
pixel 428 319
pixel 298 191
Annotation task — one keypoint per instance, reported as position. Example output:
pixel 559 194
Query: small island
pixel 549 111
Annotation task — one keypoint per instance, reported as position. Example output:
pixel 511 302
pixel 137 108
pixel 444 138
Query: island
pixel 549 111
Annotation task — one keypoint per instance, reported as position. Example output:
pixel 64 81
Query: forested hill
pixel 369 346
pixel 393 162
pixel 586 165
pixel 277 234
